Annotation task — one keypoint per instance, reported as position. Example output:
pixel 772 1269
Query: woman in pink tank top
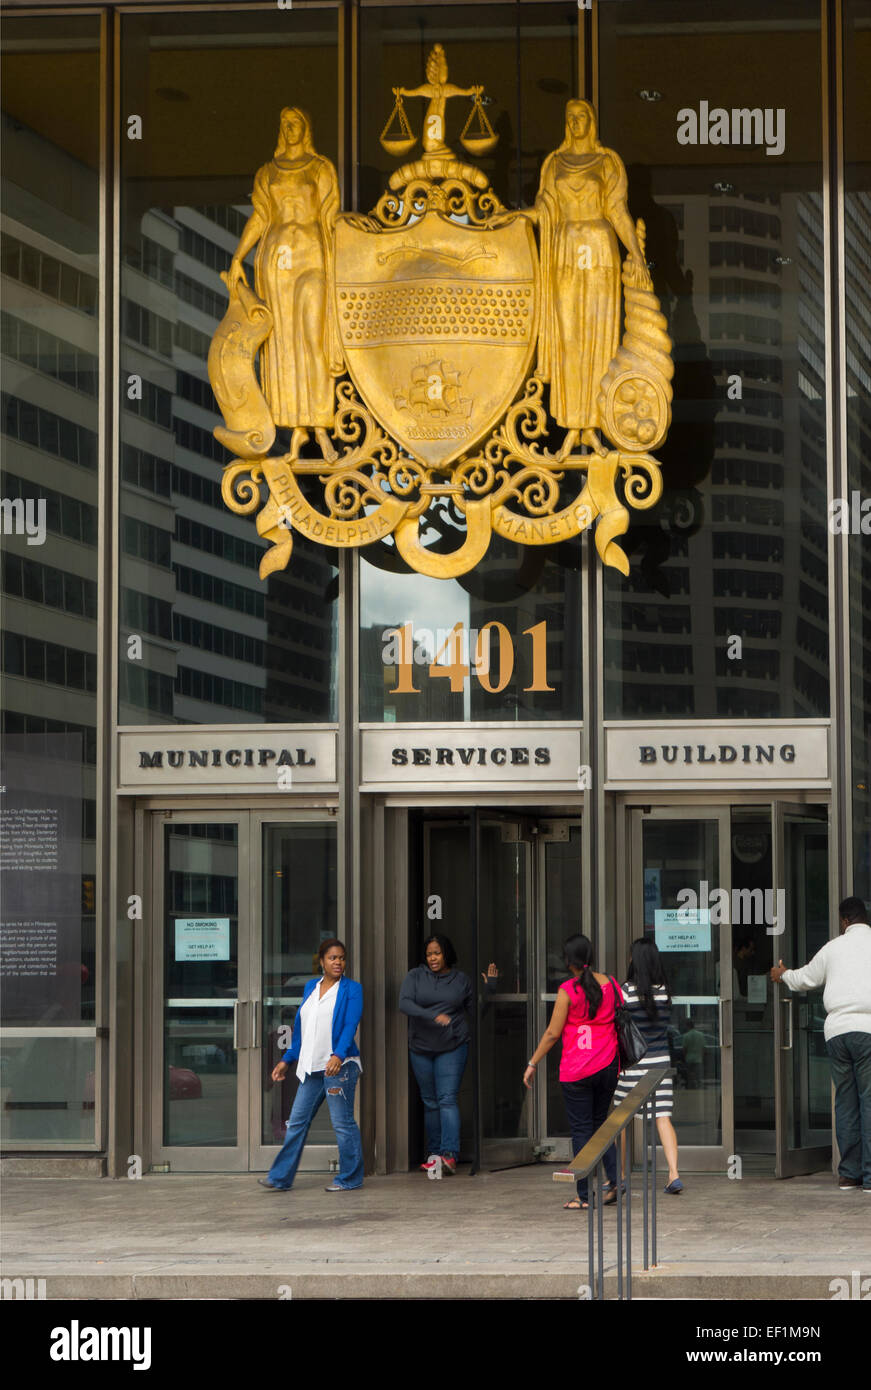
pixel 583 1019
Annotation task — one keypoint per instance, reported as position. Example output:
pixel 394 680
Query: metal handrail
pixel 591 1158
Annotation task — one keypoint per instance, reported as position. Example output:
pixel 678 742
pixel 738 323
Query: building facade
pixel 206 774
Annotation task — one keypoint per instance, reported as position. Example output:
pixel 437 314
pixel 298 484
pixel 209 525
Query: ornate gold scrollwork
pixel 429 344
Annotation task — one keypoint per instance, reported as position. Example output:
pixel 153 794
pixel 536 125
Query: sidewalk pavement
pixel 497 1235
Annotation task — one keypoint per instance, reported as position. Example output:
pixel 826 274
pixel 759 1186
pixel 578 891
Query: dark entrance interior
pixel 505 887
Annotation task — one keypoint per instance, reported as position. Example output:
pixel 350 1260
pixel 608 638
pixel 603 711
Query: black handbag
pixel 631 1043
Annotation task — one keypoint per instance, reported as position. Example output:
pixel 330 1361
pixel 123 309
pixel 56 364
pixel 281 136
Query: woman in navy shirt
pixel 437 999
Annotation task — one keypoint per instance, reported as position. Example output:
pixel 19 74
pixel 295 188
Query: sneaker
pixel 428 1166
pixel 848 1184
pixel 449 1165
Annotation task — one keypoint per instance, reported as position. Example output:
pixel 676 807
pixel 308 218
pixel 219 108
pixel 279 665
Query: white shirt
pixel 843 968
pixel 316 1027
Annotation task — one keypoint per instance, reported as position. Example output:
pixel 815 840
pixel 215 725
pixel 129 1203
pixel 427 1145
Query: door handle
pixel 724 1041
pixel 788 1005
pixel 255 1022
pixel 236 1025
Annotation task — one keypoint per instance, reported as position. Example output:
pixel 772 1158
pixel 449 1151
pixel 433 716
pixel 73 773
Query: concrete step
pixel 485 1282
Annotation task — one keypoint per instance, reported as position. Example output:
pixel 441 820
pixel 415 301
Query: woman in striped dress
pixel 646 994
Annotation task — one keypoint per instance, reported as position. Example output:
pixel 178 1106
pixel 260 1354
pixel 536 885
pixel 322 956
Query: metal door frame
pixel 204 1158
pixel 316 1158
pixel 811 1158
pixel 559 1144
pixel 249 1154
pixel 521 1150
pixel 492 1151
pixel 696 1157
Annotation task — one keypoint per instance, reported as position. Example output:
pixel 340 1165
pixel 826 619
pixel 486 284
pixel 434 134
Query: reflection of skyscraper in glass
pixel 552 606
pixel 50 492
pixel 219 645
pixel 742 552
pixel 857 242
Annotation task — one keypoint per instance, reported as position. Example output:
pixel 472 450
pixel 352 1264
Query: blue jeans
pixel 339 1093
pixel 587 1104
pixel 850 1058
pixel 438 1074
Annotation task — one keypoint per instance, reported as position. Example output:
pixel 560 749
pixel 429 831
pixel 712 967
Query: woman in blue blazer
pixel 328 1067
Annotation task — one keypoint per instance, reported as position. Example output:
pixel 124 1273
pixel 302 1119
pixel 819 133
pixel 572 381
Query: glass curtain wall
pixel 856 517
pixel 423 657
pixel 201 95
pixel 50 423
pixel 725 611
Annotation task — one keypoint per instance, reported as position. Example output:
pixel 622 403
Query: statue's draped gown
pixel 292 273
pixel 580 264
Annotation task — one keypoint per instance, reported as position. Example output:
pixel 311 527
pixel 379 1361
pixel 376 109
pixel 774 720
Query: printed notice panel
pixel 42 964
pixel 683 928
pixel 202 938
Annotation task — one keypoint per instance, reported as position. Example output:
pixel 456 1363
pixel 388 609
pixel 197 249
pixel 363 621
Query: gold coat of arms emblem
pixel 443 350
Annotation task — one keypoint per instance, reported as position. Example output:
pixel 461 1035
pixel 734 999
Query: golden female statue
pixel 581 204
pixel 295 198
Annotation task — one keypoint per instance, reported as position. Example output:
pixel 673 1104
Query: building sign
pixel 403 756
pixel 682 928
pixel 240 759
pixel 440 337
pixel 706 753
pixel 202 938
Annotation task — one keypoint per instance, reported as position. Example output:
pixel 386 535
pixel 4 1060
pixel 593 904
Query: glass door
pixel 245 902
pixel 681 864
pixel 201 1015
pixel 558 898
pixel 508 888
pixel 505 906
pixel 477 871
pixel 802 1079
pixel 295 877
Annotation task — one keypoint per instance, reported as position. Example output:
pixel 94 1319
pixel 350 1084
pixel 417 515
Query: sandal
pixel 576 1205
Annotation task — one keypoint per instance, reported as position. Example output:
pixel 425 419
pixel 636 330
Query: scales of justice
pixel 419 356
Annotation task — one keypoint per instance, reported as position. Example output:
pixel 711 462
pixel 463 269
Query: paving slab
pixel 497 1235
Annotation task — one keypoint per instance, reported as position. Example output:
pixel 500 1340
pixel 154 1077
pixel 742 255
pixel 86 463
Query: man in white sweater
pixel 842 968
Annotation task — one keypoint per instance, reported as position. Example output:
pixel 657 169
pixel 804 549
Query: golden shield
pixel 438 323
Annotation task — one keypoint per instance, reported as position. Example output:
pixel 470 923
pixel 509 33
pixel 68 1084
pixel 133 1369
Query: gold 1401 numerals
pixel 449 664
